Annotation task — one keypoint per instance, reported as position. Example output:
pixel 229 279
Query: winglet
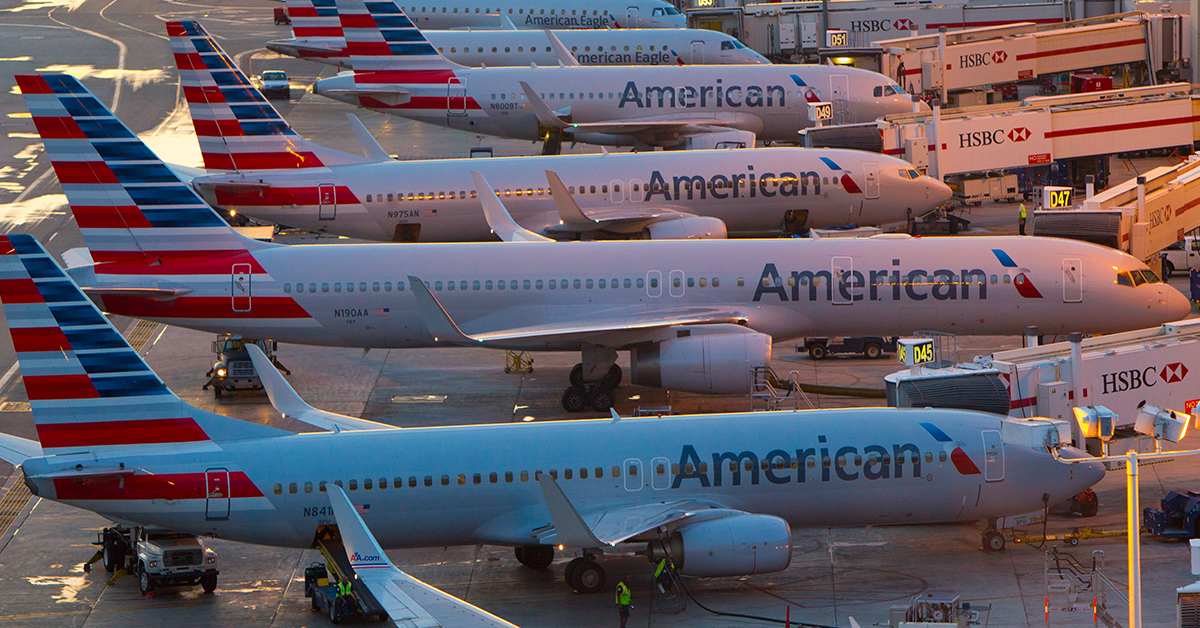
pixel 506 23
pixel 361 547
pixel 540 109
pixel 436 320
pixel 569 527
pixel 616 417
pixel 367 142
pixel 568 210
pixel 564 56
pixel 285 399
pixel 497 215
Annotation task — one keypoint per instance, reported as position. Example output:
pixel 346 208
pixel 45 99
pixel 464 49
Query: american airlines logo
pixel 740 185
pixel 690 96
pixel 895 284
pixel 565 21
pixel 367 558
pixel 779 466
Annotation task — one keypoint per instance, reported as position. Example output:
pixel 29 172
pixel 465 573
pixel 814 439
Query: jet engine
pixel 740 545
pixel 712 363
pixel 687 228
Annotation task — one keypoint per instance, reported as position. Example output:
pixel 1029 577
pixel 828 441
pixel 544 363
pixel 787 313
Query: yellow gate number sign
pixel 912 351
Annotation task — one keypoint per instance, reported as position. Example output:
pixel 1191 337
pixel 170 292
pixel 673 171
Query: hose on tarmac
pixel 798 624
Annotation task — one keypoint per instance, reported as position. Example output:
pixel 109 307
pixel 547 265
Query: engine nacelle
pixel 688 228
pixel 711 363
pixel 740 545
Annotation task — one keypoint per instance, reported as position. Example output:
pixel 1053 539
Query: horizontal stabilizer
pixel 284 399
pixel 390 96
pixel 155 294
pixel 498 218
pixel 16 450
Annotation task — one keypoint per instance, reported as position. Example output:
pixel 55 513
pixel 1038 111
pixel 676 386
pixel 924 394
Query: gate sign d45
pixel 913 351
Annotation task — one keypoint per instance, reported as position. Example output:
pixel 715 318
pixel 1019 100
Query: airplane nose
pixel 937 191
pixel 1176 306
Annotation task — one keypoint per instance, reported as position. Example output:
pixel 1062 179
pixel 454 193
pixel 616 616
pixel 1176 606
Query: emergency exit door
pixel 631 17
pixel 216 493
pixel 839 85
pixel 993 456
pixel 326 202
pixel 241 289
pixel 697 53
pixel 456 98
pixel 1072 281
pixel 871 180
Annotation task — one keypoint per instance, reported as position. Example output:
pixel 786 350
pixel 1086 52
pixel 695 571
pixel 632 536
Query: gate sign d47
pixel 914 351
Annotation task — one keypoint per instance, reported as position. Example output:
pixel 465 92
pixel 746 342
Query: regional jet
pixel 540 14
pixel 273 174
pixel 717 493
pixel 696 315
pixel 317 36
pixel 397 71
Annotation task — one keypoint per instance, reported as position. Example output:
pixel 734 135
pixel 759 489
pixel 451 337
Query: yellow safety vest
pixel 624 596
pixel 662 564
pixel 1022 214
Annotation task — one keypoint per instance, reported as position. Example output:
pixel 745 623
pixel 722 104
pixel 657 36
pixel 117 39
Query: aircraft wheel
pixel 569 572
pixel 602 399
pixel 872 351
pixel 818 352
pixel 993 541
pixel 576 376
pixel 536 556
pixel 588 577
pixel 613 378
pixel 575 399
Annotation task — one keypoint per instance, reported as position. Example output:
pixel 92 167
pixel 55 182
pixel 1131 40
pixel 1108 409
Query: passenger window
pixel 588 284
pixel 538 284
pixel 599 472
pixel 428 481
pixel 337 286
pixel 716 282
pixel 567 474
pixel 412 482
pixel 399 286
pixel 324 287
pixel 508 477
pixel 321 487
pixel 462 480
pixel 487 285
pixel 583 473
pixel 287 288
pixel 616 472
pixel 524 476
pixel 308 487
pixel 475 284
pixel 741 282
pixel 337 483
pixel 492 477
pixel 279 489
pixel 349 287
pixel 642 282
pixel 354 485
pixel 445 480
pixel 654 282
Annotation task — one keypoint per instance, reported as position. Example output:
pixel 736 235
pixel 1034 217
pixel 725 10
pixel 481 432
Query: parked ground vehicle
pixel 233 369
pixel 1179 517
pixel 870 346
pixel 274 84
pixel 281 16
pixel 1181 256
pixel 158 557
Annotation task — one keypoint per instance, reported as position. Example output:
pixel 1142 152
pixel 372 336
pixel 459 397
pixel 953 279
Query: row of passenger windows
pixel 584 473
pixel 574 49
pixel 510 11
pixel 513 284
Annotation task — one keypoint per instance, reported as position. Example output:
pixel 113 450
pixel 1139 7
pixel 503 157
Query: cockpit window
pixel 886 90
pixel 1150 276
pixel 732 45
pixel 1135 278
pixel 909 173
pixel 672 11
pixel 1123 279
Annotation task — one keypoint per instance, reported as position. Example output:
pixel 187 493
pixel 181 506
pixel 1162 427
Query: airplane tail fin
pixel 379 36
pixel 128 204
pixel 238 129
pixel 87 386
pixel 314 18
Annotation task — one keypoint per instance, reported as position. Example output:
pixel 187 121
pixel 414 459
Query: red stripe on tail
pixel 110 217
pixel 135 432
pixel 19 291
pixel 33 84
pixel 83 172
pixel 58 128
pixel 39 339
pixel 48 387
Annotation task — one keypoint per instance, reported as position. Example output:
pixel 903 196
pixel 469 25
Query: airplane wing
pixel 615 326
pixel 408 601
pixel 622 220
pixel 16 450
pixel 284 399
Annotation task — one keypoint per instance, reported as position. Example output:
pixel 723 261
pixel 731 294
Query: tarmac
pixel 835 573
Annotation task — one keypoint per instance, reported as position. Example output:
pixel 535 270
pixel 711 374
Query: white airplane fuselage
pixel 768 100
pixel 355 295
pixel 463 485
pixel 474 48
pixel 751 191
pixel 538 15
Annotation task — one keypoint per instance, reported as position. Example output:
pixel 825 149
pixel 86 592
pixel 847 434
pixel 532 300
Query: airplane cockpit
pixel 1135 278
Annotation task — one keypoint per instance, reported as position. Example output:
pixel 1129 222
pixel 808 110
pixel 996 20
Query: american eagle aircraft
pixel 695 315
pixel 397 71
pixel 273 174
pixel 718 493
pixel 317 36
pixel 528 14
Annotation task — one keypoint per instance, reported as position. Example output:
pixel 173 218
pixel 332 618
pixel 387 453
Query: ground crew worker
pixel 1021 219
pixel 624 600
pixel 662 574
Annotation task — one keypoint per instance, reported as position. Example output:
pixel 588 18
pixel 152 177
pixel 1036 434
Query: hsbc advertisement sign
pixel 1162 377
pixel 986 143
pixel 987 62
pixel 880 24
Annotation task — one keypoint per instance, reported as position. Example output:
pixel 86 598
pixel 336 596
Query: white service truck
pixel 158 557
pixel 1181 256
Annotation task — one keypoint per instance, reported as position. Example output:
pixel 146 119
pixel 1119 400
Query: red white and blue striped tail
pixel 314 18
pixel 379 36
pixel 128 204
pixel 89 390
pixel 237 128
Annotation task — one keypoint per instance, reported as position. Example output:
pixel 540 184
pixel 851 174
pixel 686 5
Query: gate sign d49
pixel 820 111
pixel 914 351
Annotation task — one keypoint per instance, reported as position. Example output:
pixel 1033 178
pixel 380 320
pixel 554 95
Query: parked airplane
pixel 282 178
pixel 527 14
pixel 716 492
pixel 317 36
pixel 695 315
pixel 397 71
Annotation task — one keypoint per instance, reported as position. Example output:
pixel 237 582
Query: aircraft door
pixel 240 288
pixel 660 470
pixel 698 53
pixel 871 177
pixel 993 456
pixel 216 492
pixel 633 474
pixel 842 276
pixel 1072 270
pixel 631 17
pixel 839 84
pixel 616 196
pixel 676 287
pixel 326 202
pixel 654 284
pixel 456 98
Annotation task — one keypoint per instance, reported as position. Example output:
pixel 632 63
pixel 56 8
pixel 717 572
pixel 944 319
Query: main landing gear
pixel 583 574
pixel 599 395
